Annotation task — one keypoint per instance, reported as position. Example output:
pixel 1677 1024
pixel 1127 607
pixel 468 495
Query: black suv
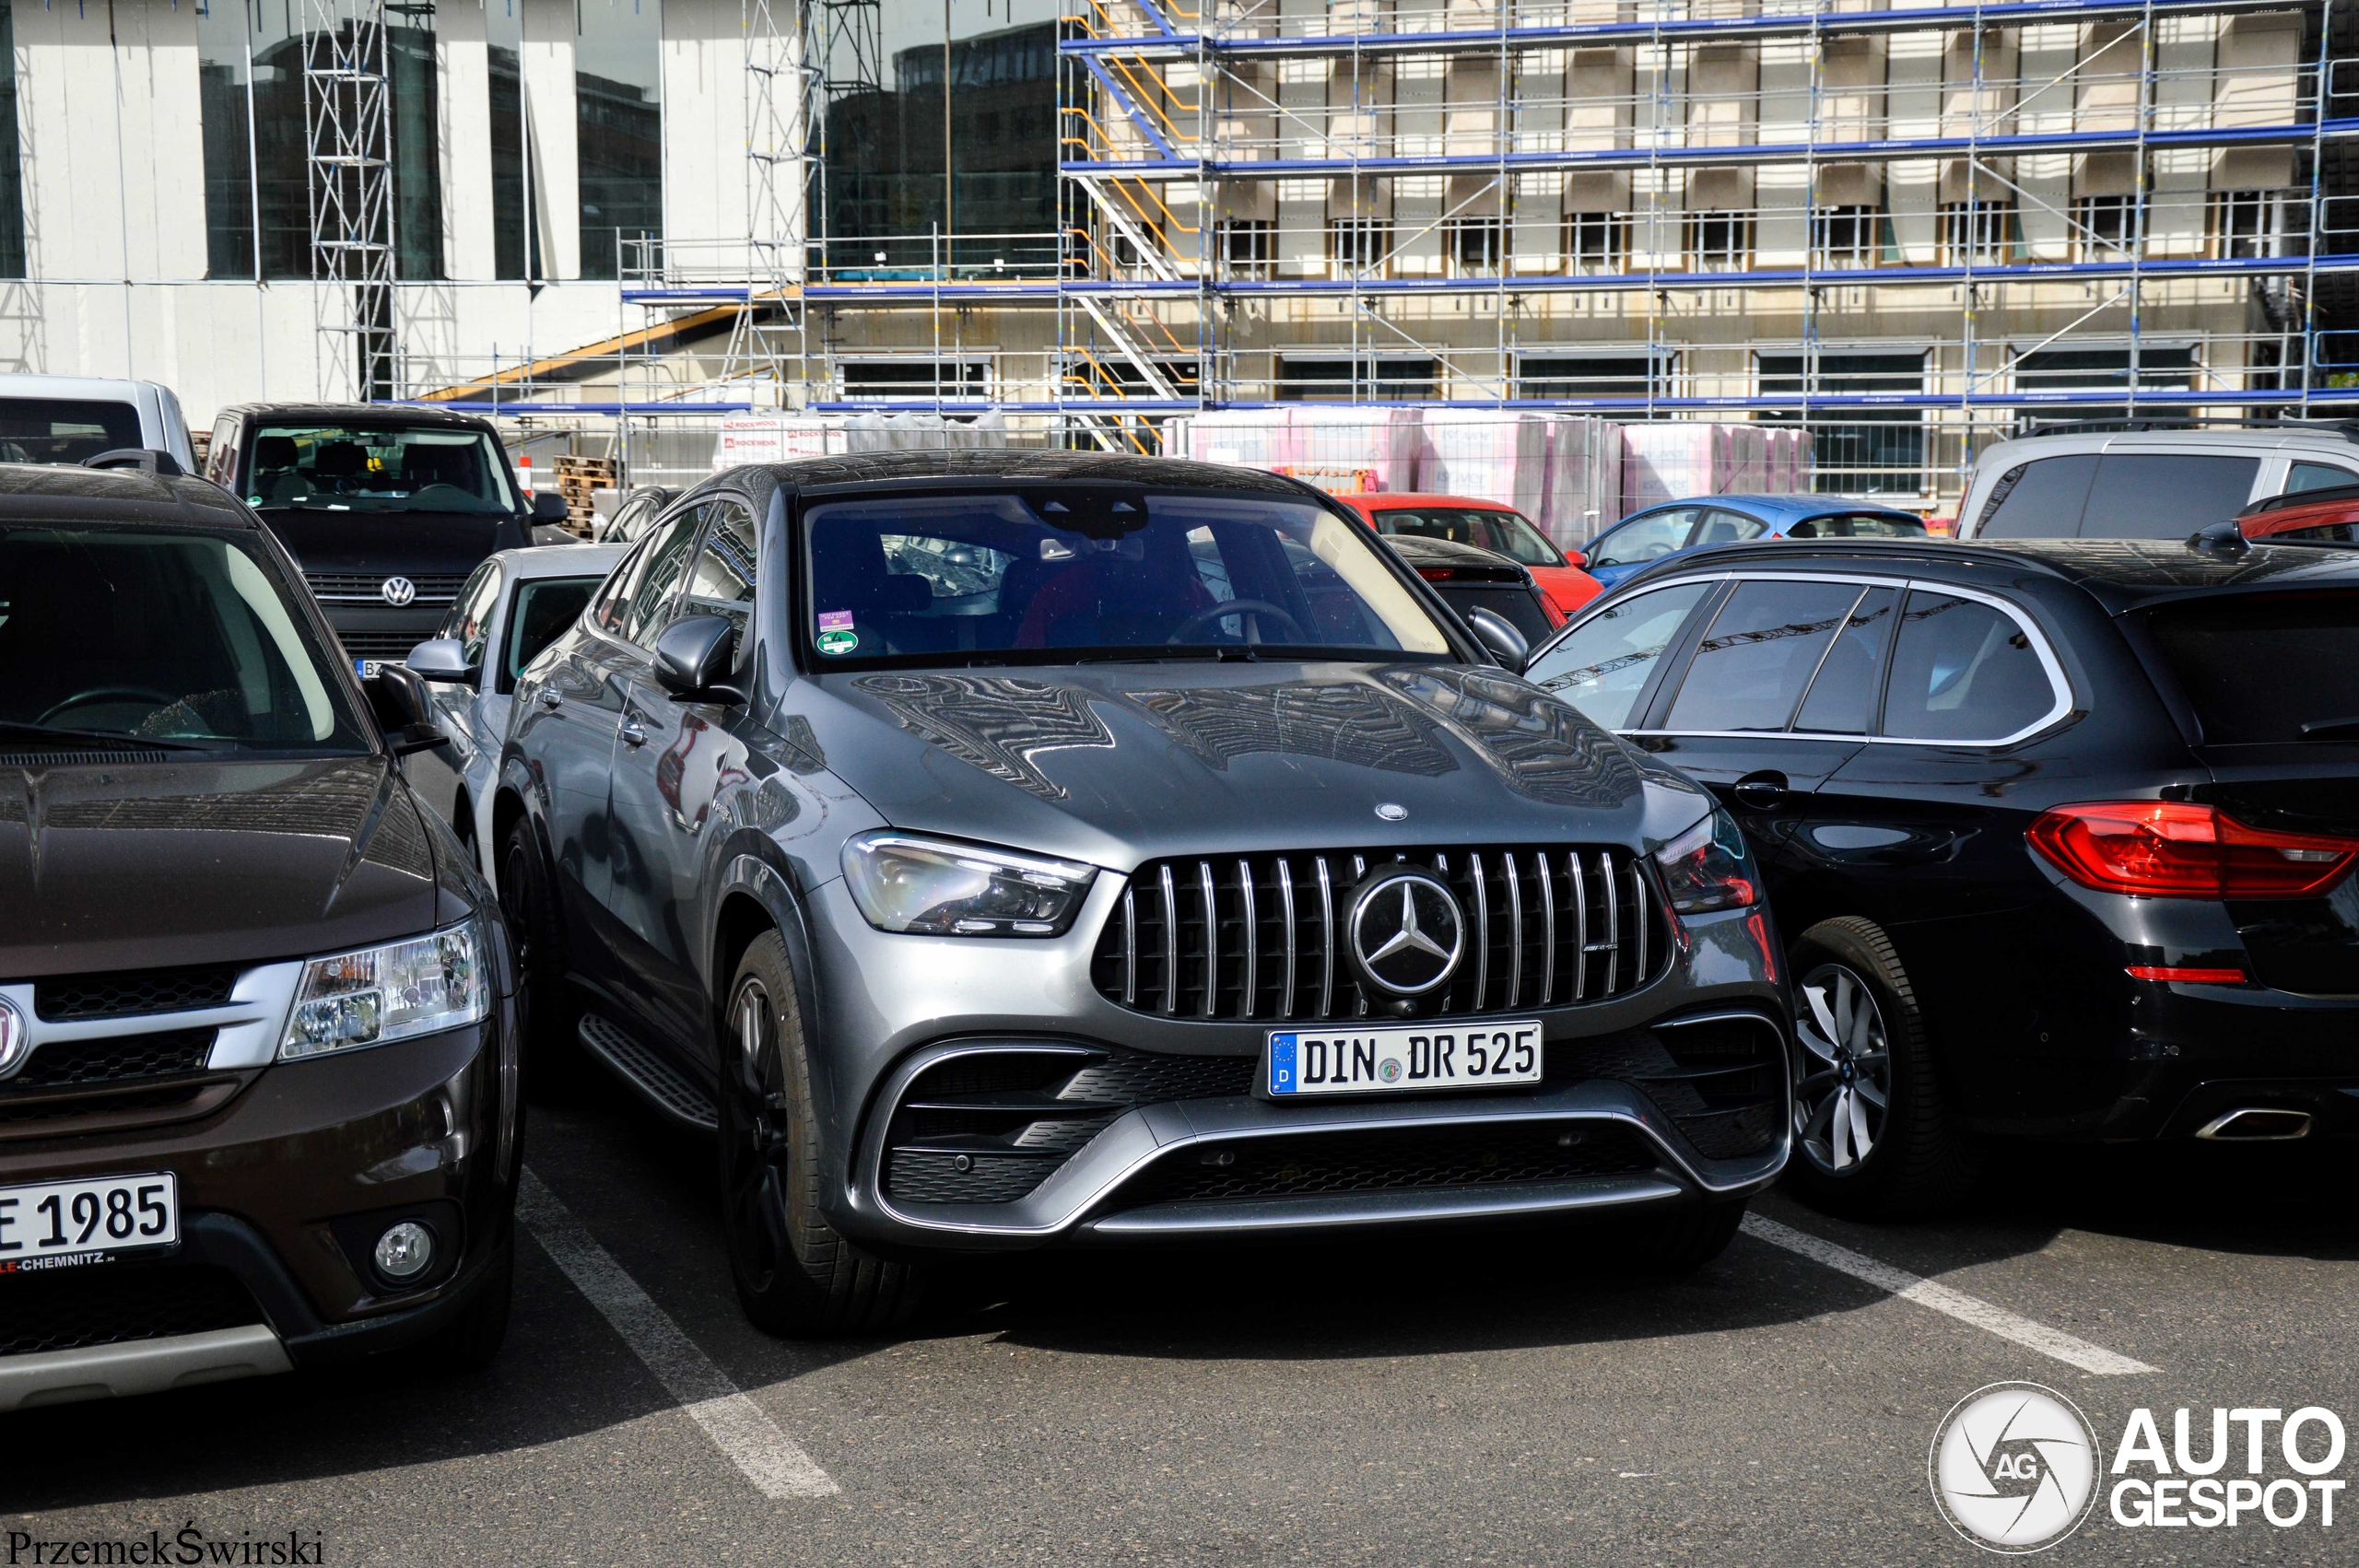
pixel 2061 833
pixel 387 509
pixel 1009 848
pixel 258 1056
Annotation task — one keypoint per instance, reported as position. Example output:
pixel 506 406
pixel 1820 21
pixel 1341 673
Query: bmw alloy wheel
pixel 1846 1069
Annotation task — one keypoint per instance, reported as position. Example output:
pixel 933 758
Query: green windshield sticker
pixel 838 641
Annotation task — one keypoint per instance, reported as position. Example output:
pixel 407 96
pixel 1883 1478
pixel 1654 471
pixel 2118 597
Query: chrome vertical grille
pixel 1262 936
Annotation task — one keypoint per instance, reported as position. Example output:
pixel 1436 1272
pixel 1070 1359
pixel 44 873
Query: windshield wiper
pixel 19 730
pixel 2331 730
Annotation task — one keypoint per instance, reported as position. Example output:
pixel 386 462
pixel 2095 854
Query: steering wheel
pixel 108 694
pixel 1257 608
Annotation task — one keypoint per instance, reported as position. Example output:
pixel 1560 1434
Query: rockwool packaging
pixel 1254 437
pixel 1749 453
pixel 1491 454
pixel 775 437
pixel 1665 459
pixel 1584 489
pixel 1351 450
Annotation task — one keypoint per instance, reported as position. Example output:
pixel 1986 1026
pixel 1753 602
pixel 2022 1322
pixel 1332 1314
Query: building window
pixel 1354 380
pixel 1476 244
pixel 618 138
pixel 1357 245
pixel 1557 376
pixel 2158 368
pixel 224 106
pixel 1981 234
pixel 1719 242
pixel 515 238
pixel 2105 228
pixel 1247 247
pixel 879 380
pixel 1597 241
pixel 1870 452
pixel 2249 225
pixel 1850 238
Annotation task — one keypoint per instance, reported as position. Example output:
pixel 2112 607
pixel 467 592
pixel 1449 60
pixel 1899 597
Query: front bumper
pixel 271 1187
pixel 1114 1187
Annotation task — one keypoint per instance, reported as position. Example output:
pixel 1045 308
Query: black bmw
pixel 2060 833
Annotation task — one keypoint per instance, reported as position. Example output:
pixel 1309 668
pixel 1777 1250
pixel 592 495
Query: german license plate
pixel 369 669
pixel 60 1224
pixel 1422 1057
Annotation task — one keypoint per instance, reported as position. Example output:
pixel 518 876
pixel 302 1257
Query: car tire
pixel 1860 1036
pixel 545 1010
pixel 1700 1233
pixel 795 1276
pixel 471 1340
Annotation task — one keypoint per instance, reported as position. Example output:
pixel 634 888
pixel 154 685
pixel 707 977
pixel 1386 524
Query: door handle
pixel 1762 792
pixel 632 734
pixel 550 699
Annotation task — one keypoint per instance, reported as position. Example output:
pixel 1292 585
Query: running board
pixel 672 1093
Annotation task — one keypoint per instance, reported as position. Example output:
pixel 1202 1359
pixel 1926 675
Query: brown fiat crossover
pixel 258 1074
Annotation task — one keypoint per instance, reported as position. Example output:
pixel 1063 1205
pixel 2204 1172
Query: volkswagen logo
pixel 15 1038
pixel 1406 931
pixel 398 591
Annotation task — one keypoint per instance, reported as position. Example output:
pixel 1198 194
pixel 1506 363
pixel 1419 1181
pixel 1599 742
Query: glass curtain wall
pixel 618 120
pixel 257 175
pixel 12 173
pixel 516 238
pixel 941 140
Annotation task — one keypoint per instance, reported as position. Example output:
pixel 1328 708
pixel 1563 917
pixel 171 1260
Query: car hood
pixel 391 542
pixel 147 865
pixel 1117 764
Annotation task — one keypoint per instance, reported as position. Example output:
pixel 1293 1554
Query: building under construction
pixel 1910 228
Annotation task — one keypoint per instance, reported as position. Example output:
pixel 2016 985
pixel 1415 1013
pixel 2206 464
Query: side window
pixel 2041 499
pixel 1842 700
pixel 221 455
pixel 1601 665
pixel 650 608
pixel 722 581
pixel 1750 670
pixel 1648 538
pixel 2164 495
pixel 612 600
pixel 2318 476
pixel 1962 671
pixel 1722 527
pixel 469 617
pixel 545 608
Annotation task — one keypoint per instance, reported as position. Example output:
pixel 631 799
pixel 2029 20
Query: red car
pixel 2329 515
pixel 1461 519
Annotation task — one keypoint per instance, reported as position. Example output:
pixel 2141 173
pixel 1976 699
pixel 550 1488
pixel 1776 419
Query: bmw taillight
pixel 2179 850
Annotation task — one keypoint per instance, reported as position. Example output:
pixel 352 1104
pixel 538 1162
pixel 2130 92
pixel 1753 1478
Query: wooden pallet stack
pixel 576 478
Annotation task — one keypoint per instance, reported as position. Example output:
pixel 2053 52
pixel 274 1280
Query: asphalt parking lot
pixel 1508 1401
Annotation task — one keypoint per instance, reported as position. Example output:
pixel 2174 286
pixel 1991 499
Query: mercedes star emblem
pixel 1389 811
pixel 398 591
pixel 1406 931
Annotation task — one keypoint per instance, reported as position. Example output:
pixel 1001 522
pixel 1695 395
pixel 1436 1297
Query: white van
pixel 67 418
pixel 2147 484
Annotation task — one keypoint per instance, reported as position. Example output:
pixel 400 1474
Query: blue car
pixel 1670 527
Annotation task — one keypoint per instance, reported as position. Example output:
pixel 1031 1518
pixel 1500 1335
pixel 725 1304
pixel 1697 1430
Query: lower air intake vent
pixel 992 1126
pixel 1316 1164
pixel 71 1308
pixel 1720 1077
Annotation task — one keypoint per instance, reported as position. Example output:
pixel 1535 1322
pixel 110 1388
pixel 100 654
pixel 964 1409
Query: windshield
pixel 1504 532
pixel 378 468
pixel 1046 577
pixel 53 429
pixel 168 638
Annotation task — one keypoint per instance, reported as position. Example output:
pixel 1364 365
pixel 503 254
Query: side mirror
pixel 443 660
pixel 405 710
pixel 1577 559
pixel 1500 639
pixel 693 657
pixel 549 507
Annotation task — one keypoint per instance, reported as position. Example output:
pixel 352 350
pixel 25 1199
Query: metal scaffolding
pixel 348 174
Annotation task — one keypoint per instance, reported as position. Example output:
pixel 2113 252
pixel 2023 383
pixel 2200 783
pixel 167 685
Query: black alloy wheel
pixel 545 1018
pixel 794 1274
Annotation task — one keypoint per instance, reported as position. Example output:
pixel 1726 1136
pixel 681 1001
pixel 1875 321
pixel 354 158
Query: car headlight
pixel 941 887
pixel 378 995
pixel 1708 867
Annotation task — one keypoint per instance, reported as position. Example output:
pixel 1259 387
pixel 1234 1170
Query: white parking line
pixel 1940 1298
pixel 737 1426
